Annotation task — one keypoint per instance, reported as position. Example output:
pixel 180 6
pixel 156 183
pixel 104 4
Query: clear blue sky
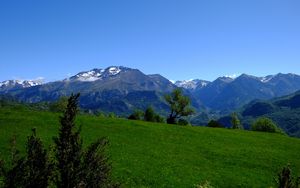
pixel 178 39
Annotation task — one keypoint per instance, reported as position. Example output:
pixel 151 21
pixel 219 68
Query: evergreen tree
pixel 34 170
pixel 78 168
pixel 179 104
pixel 96 168
pixel 69 147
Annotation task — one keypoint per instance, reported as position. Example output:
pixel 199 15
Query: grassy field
pixel 159 155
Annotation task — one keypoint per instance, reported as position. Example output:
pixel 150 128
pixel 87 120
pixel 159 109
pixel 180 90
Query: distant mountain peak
pixel 20 83
pixel 98 74
pixel 192 84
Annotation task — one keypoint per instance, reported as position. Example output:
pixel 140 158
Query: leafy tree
pixel 179 104
pixel 235 122
pixel 214 124
pixel 264 124
pixel 34 170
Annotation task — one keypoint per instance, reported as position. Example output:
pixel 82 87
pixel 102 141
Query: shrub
pixel 136 115
pixel 286 180
pixel 214 124
pixel 150 115
pixel 182 122
pixel 265 125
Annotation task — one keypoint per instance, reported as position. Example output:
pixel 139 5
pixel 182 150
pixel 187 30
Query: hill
pixel 159 155
pixel 285 111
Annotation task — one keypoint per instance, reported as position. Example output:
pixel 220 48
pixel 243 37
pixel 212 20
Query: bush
pixel 183 122
pixel 112 115
pixel 214 124
pixel 265 125
pixel 150 115
pixel 159 119
pixel 286 180
pixel 136 115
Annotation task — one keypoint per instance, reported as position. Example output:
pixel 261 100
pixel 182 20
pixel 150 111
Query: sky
pixel 179 39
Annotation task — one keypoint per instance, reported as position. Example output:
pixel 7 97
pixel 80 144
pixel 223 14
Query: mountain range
pixel 121 90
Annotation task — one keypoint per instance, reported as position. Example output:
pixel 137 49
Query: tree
pixel 76 167
pixel 69 147
pixel 34 170
pixel 96 171
pixel 235 122
pixel 264 124
pixel 179 104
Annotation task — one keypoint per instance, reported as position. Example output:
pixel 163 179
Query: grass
pixel 159 155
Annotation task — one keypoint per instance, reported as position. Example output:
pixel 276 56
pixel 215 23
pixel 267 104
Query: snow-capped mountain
pixel 18 84
pixel 192 84
pixel 98 74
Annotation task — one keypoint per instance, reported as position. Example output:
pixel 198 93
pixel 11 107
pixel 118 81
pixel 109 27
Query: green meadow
pixel 159 155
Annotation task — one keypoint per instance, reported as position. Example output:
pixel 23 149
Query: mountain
pixel 192 84
pixel 114 89
pixel 10 85
pixel 226 94
pixel 121 89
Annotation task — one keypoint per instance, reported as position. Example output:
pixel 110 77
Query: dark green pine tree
pixel 96 167
pixel 69 147
pixel 78 168
pixel 34 170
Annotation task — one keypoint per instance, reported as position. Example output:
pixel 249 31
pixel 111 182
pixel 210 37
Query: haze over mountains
pixel 122 89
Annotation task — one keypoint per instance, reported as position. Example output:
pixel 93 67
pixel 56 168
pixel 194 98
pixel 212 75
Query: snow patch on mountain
pixel 266 79
pixel 191 84
pixel 89 76
pixel 98 74
pixel 114 70
pixel 22 83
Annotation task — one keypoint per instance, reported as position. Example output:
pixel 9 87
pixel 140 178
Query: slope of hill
pixel 159 155
pixel 285 111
